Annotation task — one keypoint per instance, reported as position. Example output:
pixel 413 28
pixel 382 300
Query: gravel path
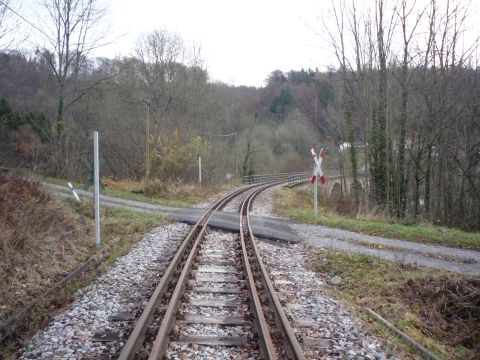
pixel 134 205
pixel 439 257
pixel 330 233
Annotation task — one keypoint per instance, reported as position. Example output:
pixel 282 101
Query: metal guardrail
pixel 292 178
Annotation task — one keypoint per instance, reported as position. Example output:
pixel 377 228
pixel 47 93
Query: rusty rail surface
pixel 266 343
pixel 290 341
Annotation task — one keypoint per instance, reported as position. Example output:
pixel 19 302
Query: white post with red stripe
pixel 317 172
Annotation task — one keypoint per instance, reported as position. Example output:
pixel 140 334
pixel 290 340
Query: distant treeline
pixel 239 130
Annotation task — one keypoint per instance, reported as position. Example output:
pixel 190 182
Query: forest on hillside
pixel 398 112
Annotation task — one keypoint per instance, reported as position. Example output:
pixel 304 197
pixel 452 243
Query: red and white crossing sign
pixel 317 171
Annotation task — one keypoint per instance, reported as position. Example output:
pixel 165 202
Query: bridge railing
pixel 299 178
pixel 292 177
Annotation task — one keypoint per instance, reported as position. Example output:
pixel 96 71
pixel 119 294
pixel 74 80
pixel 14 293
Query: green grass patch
pixel 297 204
pixel 57 181
pixel 186 201
pixel 391 289
pixel 120 228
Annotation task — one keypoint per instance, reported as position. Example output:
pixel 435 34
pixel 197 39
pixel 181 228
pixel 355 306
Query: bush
pixel 20 203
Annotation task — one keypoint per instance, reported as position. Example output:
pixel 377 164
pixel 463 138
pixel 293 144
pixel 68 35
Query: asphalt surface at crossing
pixel 458 260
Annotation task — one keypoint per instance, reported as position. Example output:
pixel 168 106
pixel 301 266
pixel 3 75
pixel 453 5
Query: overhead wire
pixel 27 21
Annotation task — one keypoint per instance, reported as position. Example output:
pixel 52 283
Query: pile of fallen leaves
pixel 39 242
pixel 449 308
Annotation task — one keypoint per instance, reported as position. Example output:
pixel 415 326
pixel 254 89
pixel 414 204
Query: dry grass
pixel 171 189
pixel 126 185
pixel 34 228
pixel 440 310
pixel 449 308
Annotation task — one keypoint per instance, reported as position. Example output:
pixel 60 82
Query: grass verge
pixel 438 309
pixel 296 204
pixel 120 228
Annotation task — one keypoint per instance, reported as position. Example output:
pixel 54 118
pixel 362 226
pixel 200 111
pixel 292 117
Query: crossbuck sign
pixel 317 171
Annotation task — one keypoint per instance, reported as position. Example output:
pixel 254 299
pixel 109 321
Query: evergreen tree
pixel 282 104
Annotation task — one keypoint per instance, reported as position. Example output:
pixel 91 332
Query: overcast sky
pixel 242 41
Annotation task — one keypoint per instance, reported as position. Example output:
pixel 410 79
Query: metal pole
pixel 235 150
pixel 200 172
pixel 96 188
pixel 315 197
pixel 147 146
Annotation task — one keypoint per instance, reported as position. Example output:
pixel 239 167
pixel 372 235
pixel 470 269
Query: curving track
pixel 225 276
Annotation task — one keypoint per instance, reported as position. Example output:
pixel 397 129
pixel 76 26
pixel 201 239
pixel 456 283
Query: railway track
pixel 217 293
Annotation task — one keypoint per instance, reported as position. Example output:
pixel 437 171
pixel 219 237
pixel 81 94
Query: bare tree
pixel 70 34
pixel 338 41
pixel 404 13
pixel 171 81
pixel 7 25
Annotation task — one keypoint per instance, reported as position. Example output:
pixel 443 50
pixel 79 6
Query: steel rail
pixel 137 336
pixel 265 340
pixel 163 335
pixel 292 346
pixel 162 339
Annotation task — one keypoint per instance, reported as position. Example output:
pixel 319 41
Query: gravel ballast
pixel 120 293
pixel 325 327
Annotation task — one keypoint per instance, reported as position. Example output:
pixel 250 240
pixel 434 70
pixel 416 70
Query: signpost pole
pixel 200 172
pixel 235 155
pixel 317 174
pixel 96 188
